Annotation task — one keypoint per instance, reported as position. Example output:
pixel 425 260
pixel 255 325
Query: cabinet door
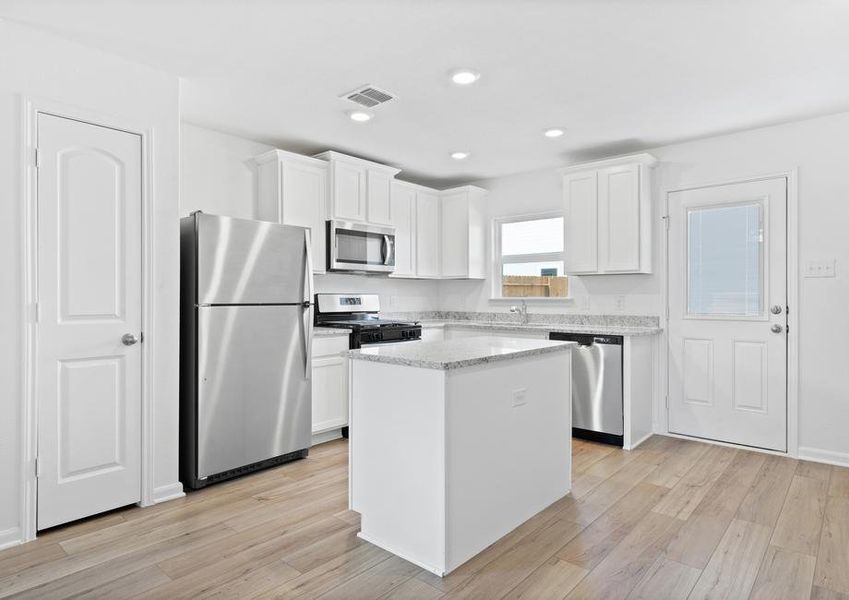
pixel 329 393
pixel 619 219
pixel 427 234
pixel 433 334
pixel 379 196
pixel 404 220
pixel 581 200
pixel 455 235
pixel 349 192
pixel 304 202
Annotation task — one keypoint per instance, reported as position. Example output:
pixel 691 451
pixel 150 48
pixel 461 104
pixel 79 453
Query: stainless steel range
pixel 360 313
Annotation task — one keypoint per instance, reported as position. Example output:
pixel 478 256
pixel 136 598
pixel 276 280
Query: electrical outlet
pixel 820 268
pixel 520 397
pixel 619 303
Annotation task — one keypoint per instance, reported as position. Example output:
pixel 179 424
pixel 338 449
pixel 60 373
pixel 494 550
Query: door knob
pixel 128 339
pixel 775 309
pixel 776 328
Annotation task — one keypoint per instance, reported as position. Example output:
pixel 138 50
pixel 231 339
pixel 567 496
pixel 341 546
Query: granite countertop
pixel 329 332
pixel 496 326
pixel 456 354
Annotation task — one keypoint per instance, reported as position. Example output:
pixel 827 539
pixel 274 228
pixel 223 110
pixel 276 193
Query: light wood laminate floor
pixel 672 519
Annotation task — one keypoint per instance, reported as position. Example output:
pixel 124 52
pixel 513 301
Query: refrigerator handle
pixel 308 308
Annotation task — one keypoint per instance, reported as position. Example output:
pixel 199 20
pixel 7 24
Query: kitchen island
pixel 456 443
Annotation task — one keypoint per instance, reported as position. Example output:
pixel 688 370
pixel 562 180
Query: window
pixel 529 257
pixel 725 260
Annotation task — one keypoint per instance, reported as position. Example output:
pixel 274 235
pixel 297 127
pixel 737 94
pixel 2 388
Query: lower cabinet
pixel 329 383
pixel 458 332
pixel 433 334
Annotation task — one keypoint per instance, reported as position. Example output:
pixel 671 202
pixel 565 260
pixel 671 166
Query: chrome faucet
pixel 522 311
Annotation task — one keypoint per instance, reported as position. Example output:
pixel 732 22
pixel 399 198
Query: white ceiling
pixel 617 75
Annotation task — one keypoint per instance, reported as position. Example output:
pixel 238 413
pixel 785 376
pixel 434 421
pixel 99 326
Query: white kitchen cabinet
pixel 608 216
pixel 580 195
pixel 292 190
pixel 379 196
pixel 428 210
pixel 463 233
pixel 403 212
pixel 329 383
pixel 360 190
pixel 458 332
pixel 433 333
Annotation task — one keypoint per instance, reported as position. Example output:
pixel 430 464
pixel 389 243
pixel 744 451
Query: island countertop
pixel 456 354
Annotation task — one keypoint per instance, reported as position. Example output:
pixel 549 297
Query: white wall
pixel 819 148
pixel 42 66
pixel 217 177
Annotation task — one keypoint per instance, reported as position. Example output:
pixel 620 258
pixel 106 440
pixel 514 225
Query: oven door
pixel 360 247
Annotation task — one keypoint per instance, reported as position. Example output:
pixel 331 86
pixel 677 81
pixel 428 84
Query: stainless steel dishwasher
pixel 597 410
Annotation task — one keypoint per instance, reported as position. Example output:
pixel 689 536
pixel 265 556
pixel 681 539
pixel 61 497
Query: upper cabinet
pixel 608 216
pixel 438 235
pixel 292 190
pixel 428 211
pixel 379 196
pixel 403 212
pixel 463 233
pixel 360 190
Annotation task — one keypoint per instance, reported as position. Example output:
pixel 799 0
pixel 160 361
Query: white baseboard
pixel 379 544
pixel 171 491
pixel 841 459
pixel 640 441
pixel 326 436
pixel 10 537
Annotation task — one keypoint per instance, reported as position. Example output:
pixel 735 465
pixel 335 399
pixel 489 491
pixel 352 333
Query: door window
pixel 725 260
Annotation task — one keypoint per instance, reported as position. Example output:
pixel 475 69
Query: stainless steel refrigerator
pixel 245 334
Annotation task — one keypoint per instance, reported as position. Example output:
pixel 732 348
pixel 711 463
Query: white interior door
pixel 89 295
pixel 727 313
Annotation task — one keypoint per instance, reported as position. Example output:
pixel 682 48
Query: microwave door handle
pixel 387 250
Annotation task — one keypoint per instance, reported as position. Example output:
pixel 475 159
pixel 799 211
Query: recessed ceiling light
pixel 360 116
pixel 459 155
pixel 464 76
pixel 553 133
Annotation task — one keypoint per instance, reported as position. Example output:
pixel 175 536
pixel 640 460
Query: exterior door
pixel 89 296
pixel 727 313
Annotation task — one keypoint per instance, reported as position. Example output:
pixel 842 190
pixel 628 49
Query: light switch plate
pixel 820 268
pixel 520 397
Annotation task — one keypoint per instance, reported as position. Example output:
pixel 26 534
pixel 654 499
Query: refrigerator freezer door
pixel 240 261
pixel 254 402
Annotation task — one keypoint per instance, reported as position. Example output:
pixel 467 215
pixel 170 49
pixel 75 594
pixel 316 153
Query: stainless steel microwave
pixel 360 247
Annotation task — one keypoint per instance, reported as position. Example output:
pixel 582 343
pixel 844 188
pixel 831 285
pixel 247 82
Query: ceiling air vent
pixel 368 96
